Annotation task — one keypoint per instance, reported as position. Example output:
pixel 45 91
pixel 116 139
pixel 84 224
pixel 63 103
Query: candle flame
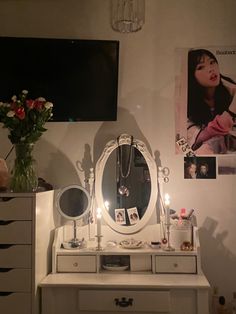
pixel 167 199
pixel 99 213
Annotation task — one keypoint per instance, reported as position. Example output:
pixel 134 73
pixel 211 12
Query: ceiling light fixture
pixel 127 16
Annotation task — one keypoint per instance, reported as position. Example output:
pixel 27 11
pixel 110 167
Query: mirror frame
pixel 125 139
pixel 66 188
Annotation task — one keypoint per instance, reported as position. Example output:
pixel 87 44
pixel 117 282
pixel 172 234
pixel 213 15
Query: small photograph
pixel 226 165
pixel 133 215
pixel 120 216
pixel 199 167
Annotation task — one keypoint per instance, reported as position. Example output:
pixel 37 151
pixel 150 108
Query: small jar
pixel 186 246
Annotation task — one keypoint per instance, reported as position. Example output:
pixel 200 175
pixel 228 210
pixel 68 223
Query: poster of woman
pixel 205 100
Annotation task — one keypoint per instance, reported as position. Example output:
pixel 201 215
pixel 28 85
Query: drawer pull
pixel 5 246
pixel 123 302
pixel 5 294
pixel 75 264
pixel 5 270
pixel 6 222
pixel 175 265
pixel 5 199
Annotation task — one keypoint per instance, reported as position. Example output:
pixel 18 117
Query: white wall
pixel 146 104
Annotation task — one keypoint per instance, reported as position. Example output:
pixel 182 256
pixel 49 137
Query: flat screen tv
pixel 80 77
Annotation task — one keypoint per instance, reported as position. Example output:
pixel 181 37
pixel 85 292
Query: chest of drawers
pixel 26 220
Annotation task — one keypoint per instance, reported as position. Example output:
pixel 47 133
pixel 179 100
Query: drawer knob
pixel 6 222
pixel 75 264
pixel 124 302
pixel 175 265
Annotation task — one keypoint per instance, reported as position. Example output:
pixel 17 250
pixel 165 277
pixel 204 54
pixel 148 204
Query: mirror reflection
pixel 126 185
pixel 73 202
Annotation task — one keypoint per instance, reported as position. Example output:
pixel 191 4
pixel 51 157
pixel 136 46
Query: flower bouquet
pixel 25 119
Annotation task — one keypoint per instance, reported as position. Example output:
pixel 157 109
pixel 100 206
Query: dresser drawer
pixel 16 208
pixel 15 232
pixel 15 303
pixel 176 264
pixel 124 300
pixel 84 263
pixel 15 280
pixel 15 256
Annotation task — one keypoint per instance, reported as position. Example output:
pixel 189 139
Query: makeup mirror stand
pixel 75 242
pixel 73 203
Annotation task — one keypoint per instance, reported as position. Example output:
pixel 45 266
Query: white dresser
pixel 26 224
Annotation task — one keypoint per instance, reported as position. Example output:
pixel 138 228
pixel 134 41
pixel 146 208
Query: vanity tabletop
pixel 121 251
pixel 129 280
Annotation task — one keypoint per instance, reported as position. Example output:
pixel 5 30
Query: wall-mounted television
pixel 79 76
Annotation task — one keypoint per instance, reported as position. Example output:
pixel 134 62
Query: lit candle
pixel 106 203
pixel 167 208
pixel 99 226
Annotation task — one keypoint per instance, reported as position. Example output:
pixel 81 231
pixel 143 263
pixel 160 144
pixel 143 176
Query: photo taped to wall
pixel 199 167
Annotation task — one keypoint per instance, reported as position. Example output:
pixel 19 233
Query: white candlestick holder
pixel 99 240
pixel 168 246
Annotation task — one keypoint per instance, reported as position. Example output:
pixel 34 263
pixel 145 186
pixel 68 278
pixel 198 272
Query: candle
pixel 99 226
pixel 167 208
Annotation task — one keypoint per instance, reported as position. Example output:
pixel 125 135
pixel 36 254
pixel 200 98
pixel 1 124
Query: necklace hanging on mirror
pixel 123 190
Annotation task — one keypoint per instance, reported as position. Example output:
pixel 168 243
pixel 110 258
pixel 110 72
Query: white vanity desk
pixel 155 281
pixel 120 280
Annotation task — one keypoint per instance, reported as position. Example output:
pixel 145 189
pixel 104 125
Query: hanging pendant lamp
pixel 127 15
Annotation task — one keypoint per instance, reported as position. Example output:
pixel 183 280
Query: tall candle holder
pixel 168 247
pixel 99 230
pixel 168 223
pixel 99 240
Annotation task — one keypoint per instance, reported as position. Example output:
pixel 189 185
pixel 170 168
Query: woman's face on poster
pixel 192 169
pixel 207 72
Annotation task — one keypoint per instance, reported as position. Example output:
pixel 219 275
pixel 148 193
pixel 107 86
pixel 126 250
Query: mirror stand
pixel 73 203
pixel 74 242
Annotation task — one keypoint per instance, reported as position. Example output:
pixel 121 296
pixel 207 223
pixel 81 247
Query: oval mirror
pixel 126 184
pixel 73 202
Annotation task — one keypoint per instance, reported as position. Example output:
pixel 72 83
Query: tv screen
pixel 80 77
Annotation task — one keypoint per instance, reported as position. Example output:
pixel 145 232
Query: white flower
pixel 1 104
pixel 25 92
pixel 14 98
pixel 10 114
pixel 41 99
pixel 48 105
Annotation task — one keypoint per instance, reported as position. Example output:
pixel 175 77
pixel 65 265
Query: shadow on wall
pixel 58 165
pixel 218 262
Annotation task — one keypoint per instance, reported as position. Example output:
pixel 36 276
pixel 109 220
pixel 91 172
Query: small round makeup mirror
pixel 73 202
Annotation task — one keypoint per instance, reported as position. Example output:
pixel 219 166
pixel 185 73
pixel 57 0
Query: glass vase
pixel 24 177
